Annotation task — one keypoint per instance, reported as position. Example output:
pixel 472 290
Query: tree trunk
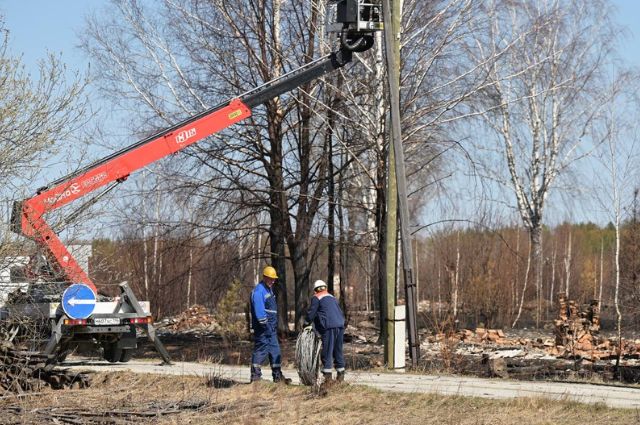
pixel 417 271
pixel 301 271
pixel 332 205
pixel 378 129
pixel 381 207
pixel 189 275
pixel 439 284
pixel 616 297
pixel 514 283
pixel 601 272
pixel 344 260
pixel 456 278
pixel 257 254
pixel 145 261
pixel 567 268
pixel 524 286
pixel 536 248
pixel 276 239
pixel 344 273
pixel 553 273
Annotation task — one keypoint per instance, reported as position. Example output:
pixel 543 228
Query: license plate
pixel 106 321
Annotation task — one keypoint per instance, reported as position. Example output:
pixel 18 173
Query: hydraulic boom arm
pixel 357 20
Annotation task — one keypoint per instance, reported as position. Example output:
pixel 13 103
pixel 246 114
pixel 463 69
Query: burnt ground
pixel 119 398
pixel 527 354
pixel 201 346
pixel 362 352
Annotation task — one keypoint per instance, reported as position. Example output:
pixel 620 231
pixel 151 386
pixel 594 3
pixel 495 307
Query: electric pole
pixel 391 256
pixel 392 27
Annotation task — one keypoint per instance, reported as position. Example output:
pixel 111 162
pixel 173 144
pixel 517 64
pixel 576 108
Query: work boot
pixel 279 378
pixel 340 377
pixel 282 380
pixel 328 380
pixel 256 373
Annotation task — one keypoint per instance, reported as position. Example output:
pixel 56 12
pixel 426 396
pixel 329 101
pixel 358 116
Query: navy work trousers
pixel 266 345
pixel 332 341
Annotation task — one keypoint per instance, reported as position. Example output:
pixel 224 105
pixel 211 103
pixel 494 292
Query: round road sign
pixel 78 301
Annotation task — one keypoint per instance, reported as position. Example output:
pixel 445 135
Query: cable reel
pixel 307 360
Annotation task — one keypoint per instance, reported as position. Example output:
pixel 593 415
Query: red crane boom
pixel 356 20
pixel 28 215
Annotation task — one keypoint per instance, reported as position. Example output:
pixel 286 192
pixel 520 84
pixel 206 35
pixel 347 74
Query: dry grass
pixel 267 403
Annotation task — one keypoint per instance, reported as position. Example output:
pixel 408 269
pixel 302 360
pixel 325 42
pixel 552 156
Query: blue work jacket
pixel 264 310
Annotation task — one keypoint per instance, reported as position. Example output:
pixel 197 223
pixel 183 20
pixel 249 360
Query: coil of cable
pixel 308 347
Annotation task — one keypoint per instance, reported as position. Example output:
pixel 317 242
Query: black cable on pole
pixel 401 179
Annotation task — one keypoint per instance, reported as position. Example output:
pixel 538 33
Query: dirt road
pixel 612 396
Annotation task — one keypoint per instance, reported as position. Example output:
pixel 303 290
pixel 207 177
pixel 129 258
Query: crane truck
pixel 75 314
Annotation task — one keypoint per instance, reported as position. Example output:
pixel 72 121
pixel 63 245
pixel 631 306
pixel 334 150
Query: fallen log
pixel 24 371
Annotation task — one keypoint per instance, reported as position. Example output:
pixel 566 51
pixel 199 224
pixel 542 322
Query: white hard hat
pixel 319 284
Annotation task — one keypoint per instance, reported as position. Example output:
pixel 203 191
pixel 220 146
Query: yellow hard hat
pixel 270 272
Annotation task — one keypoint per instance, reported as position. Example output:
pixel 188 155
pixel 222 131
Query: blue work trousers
pixel 332 341
pixel 266 345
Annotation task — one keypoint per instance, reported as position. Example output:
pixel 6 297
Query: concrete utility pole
pixel 391 255
pixel 391 245
pixel 392 20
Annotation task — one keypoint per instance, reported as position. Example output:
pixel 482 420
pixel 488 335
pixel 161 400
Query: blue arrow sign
pixel 78 301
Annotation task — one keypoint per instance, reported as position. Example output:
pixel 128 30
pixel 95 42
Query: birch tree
pixel 542 100
pixel 37 113
pixel 619 159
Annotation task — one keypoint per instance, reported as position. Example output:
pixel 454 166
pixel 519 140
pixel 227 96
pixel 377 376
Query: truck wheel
pixel 112 353
pixel 127 354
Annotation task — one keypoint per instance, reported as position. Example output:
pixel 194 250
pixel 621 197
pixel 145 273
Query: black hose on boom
pixel 360 44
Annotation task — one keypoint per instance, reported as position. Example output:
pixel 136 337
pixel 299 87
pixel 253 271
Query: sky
pixel 38 26
pixel 628 14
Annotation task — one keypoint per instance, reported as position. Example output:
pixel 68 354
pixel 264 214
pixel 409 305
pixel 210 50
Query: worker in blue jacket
pixel 264 322
pixel 326 315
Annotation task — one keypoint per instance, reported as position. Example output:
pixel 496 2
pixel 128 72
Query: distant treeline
pixel 485 270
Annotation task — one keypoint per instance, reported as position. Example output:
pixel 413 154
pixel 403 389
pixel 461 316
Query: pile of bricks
pixel 479 336
pixel 497 337
pixel 575 328
pixel 576 335
pixel 195 317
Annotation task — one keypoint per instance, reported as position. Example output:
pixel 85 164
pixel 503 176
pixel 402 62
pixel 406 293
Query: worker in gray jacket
pixel 325 313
